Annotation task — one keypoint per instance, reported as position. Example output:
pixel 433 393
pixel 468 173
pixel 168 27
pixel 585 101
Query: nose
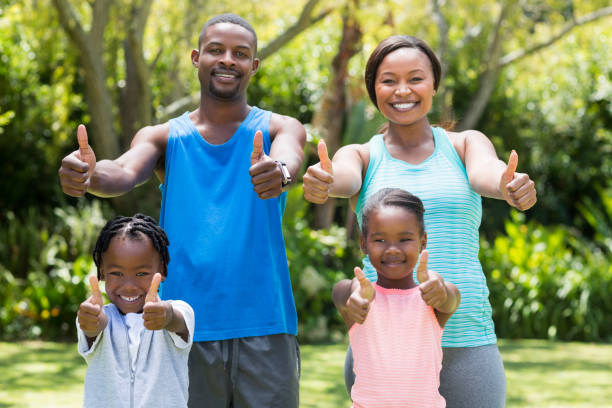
pixel 227 58
pixel 403 90
pixel 392 249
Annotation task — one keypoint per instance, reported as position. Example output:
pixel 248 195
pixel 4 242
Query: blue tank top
pixel 453 212
pixel 227 252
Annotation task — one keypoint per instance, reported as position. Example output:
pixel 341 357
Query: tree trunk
pixel 329 117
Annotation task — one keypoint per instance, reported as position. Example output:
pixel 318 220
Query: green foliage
pixel 43 271
pixel 317 260
pixel 546 282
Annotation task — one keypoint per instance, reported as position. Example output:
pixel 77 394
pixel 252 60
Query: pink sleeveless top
pixel 397 352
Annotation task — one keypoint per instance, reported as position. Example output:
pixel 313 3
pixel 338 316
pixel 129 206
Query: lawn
pixel 539 374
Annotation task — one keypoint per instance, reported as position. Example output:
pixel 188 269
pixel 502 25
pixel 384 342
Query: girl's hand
pixel 318 177
pixel 358 304
pixel 156 314
pixel 431 284
pixel 517 188
pixel 91 317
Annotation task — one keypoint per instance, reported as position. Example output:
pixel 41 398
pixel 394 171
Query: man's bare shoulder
pixel 285 124
pixel 154 134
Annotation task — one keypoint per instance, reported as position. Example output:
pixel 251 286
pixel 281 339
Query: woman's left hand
pixel 517 188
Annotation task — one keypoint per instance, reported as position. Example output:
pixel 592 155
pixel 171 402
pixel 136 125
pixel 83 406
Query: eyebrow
pixel 393 73
pixel 216 43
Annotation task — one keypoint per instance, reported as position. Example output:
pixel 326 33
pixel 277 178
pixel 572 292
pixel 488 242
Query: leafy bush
pixel 41 300
pixel 546 282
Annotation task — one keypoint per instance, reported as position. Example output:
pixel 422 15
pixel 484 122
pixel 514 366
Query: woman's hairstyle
pixel 393 197
pixel 134 228
pixel 391 44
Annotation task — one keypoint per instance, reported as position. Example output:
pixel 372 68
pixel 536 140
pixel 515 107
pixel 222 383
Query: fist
pixel 77 168
pixel 319 177
pixel 91 317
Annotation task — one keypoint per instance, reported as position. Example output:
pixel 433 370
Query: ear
pixel 362 242
pixel 424 241
pixel 101 273
pixel 255 66
pixel 195 55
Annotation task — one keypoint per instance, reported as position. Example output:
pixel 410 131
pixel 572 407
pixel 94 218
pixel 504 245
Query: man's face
pixel 226 61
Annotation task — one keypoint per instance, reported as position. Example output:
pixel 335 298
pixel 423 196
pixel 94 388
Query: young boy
pixel 136 347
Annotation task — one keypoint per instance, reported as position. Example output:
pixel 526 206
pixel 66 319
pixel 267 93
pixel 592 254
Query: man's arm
pixel 115 177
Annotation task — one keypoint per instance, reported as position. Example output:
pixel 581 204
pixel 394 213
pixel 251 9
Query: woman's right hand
pixel 319 177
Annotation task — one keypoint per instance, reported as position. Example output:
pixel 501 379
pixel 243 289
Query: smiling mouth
pixel 130 299
pixel 225 75
pixel 404 106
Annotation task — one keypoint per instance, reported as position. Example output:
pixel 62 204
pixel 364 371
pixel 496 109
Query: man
pixel 223 168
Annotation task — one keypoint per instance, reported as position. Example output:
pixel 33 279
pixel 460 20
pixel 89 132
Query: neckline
pixel 403 162
pixel 228 141
pixel 394 291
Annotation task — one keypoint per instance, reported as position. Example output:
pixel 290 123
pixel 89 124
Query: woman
pixel 449 172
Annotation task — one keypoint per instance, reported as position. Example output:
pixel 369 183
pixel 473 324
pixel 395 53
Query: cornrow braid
pixel 133 227
pixel 393 197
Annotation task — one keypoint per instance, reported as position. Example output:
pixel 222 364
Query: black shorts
pixel 260 371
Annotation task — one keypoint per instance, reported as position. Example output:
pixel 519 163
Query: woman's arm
pixel 488 175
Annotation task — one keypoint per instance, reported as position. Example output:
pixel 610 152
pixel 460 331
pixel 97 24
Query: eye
pixel 387 81
pixel 115 273
pixel 215 50
pixel 143 274
pixel 241 54
pixel 416 79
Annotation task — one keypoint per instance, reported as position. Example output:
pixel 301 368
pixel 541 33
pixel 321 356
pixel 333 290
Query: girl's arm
pixel 340 177
pixel 352 298
pixel 453 299
pixel 488 175
pixel 443 296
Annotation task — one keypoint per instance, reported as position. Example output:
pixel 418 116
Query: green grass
pixel 539 374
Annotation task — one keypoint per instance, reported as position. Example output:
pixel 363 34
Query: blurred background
pixel 533 75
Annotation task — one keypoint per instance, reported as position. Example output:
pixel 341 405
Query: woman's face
pixel 404 86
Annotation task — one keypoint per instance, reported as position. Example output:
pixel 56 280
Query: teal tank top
pixel 453 211
pixel 227 252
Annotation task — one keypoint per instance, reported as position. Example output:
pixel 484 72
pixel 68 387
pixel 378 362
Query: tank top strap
pixel 446 148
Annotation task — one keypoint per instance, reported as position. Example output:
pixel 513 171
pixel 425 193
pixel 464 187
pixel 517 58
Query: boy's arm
pixel 80 173
pixel 353 298
pixel 91 317
pixel 158 314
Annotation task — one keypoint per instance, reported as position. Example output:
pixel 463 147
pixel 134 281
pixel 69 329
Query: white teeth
pixel 129 299
pixel 403 105
pixel 225 76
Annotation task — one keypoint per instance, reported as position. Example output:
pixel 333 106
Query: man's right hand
pixel 319 177
pixel 78 166
pixel 358 304
pixel 91 316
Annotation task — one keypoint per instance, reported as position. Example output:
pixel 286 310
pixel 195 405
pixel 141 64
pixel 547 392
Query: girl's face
pixel 393 243
pixel 404 86
pixel 127 267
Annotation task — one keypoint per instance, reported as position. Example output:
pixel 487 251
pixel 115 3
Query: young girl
pixel 396 342
pixel 137 346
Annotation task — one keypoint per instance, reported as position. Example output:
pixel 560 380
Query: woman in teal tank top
pixel 449 171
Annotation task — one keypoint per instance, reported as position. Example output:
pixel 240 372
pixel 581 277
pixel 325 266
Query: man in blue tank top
pixel 223 168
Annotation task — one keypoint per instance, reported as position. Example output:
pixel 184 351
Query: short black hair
pixel 133 227
pixel 227 18
pixel 393 197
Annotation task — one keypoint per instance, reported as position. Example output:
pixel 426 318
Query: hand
pixel 431 284
pixel 358 304
pixel 517 188
pixel 91 316
pixel 266 176
pixel 319 177
pixel 78 166
pixel 156 314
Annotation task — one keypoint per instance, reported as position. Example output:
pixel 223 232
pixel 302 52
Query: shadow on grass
pixel 40 366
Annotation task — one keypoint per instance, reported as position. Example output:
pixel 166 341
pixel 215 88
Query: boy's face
pixel 127 267
pixel 225 61
pixel 393 243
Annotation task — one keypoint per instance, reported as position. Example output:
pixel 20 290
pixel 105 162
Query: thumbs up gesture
pixel 156 314
pixel 266 175
pixel 319 177
pixel 358 304
pixel 91 317
pixel 432 285
pixel 78 166
pixel 517 188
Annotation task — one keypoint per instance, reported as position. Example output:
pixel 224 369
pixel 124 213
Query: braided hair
pixel 393 197
pixel 133 227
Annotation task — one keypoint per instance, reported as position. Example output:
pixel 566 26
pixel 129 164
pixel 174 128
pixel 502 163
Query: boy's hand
pixel 431 284
pixel 78 166
pixel 266 175
pixel 517 188
pixel 319 177
pixel 91 316
pixel 156 314
pixel 358 304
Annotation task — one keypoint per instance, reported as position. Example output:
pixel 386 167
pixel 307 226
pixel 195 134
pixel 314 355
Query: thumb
pixel 508 174
pixel 257 147
pixel 422 274
pixel 366 291
pixel 152 294
pixel 326 164
pixel 95 290
pixel 85 151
